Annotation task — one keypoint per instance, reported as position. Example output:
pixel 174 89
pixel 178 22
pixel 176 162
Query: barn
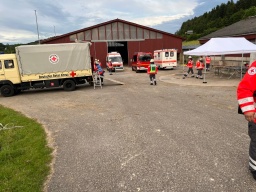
pixel 120 36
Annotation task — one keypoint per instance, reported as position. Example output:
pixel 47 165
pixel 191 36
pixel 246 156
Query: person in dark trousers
pixel 208 62
pixel 152 71
pixel 199 67
pixel 246 96
pixel 190 67
pixel 110 67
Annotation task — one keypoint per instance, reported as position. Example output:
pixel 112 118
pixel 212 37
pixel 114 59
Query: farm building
pixel 245 28
pixel 120 36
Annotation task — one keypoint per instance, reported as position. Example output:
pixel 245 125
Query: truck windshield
pixel 145 57
pixel 116 59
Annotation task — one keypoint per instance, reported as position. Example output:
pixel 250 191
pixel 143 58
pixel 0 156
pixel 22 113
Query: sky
pixel 22 20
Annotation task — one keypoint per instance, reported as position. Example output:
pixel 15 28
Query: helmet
pixel 152 61
pixel 189 57
pixel 200 59
pixel 109 59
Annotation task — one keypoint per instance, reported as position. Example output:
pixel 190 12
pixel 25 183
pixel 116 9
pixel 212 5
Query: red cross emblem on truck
pixel 72 74
pixel 54 58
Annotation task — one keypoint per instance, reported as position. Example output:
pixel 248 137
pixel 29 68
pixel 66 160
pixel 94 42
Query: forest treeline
pixel 221 16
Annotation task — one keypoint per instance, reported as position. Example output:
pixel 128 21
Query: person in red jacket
pixel 190 67
pixel 110 66
pixel 199 67
pixel 208 62
pixel 152 71
pixel 98 69
pixel 246 98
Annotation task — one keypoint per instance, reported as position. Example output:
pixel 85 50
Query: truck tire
pixel 69 85
pixel 7 91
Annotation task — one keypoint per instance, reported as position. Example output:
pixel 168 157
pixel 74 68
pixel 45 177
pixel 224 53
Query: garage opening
pixel 120 47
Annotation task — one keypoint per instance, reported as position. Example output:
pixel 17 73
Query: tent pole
pixel 204 73
pixel 242 65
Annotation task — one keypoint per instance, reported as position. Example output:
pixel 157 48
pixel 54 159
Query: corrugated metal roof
pixel 108 22
pixel 240 28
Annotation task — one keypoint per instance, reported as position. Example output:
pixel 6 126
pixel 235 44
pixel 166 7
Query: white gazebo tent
pixel 224 46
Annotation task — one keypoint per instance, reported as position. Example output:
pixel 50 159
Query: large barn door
pixel 120 47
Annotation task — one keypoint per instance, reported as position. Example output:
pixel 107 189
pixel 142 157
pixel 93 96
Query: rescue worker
pixel 190 67
pixel 208 62
pixel 152 71
pixel 99 70
pixel 246 98
pixel 199 67
pixel 110 66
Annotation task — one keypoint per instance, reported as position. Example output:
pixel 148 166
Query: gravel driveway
pixel 138 137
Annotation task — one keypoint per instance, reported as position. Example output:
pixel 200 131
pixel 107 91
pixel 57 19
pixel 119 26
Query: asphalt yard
pixel 175 136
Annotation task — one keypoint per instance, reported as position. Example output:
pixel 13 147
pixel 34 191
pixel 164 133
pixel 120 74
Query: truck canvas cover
pixel 53 58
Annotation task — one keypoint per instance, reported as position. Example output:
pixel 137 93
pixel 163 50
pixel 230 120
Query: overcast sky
pixel 18 17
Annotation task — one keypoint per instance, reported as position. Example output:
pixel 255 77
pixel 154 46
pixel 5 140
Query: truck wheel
pixel 7 91
pixel 132 69
pixel 69 85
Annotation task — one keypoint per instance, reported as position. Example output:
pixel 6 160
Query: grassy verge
pixel 24 154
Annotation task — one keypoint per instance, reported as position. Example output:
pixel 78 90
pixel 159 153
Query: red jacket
pixel 246 89
pixel 208 60
pixel 190 64
pixel 149 71
pixel 199 65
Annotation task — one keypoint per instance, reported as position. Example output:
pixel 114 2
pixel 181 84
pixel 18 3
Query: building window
pixel 0 65
pixel 126 31
pixel 72 37
pixel 133 32
pixel 95 35
pixel 108 32
pixel 159 36
pixel 80 36
pixel 139 33
pixel 121 30
pixel 146 34
pixel 88 35
pixel 114 31
pixel 152 35
pixel 102 33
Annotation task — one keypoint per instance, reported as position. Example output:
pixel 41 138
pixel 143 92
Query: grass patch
pixel 194 42
pixel 24 154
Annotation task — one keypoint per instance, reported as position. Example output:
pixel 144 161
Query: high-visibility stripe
pixel 253 161
pixel 245 100
pixel 248 108
pixel 166 61
pixel 252 166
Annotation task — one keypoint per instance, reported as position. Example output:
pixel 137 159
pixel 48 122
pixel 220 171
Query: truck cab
pixel 141 61
pixel 116 60
pixel 9 74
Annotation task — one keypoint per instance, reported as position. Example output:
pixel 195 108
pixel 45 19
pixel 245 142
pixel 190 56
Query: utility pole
pixel 37 28
pixel 54 30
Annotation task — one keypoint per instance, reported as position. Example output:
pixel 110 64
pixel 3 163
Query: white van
pixel 165 58
pixel 116 60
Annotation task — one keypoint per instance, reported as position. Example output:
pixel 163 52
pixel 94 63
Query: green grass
pixel 24 155
pixel 194 42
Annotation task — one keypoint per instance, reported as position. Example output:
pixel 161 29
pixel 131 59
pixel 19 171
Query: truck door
pixel 2 77
pixel 9 71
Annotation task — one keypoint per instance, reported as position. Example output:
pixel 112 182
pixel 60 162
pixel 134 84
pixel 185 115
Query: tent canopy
pixel 224 46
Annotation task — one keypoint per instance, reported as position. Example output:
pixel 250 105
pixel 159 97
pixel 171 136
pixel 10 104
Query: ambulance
pixel 165 58
pixel 116 60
